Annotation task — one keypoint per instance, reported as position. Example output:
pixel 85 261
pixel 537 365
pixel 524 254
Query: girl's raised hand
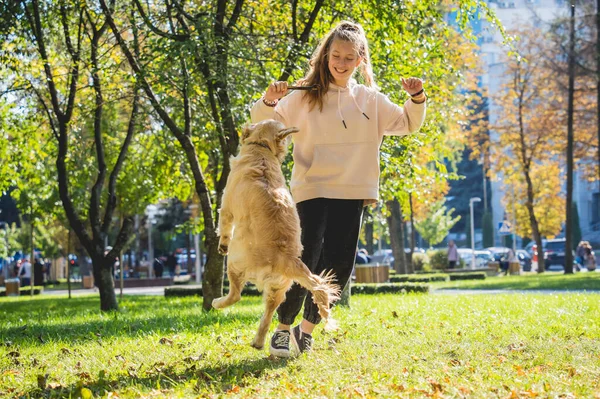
pixel 412 85
pixel 276 90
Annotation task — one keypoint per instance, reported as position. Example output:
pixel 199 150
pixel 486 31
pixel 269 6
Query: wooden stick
pixel 313 87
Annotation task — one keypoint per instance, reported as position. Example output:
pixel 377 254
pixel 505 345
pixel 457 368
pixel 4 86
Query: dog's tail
pixel 324 291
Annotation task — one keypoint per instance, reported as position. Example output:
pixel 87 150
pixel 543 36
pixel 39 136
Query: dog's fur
pixel 265 248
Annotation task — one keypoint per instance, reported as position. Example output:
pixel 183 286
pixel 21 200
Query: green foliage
pixel 436 225
pixel 9 240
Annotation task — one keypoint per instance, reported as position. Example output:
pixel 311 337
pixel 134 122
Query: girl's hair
pixel 319 74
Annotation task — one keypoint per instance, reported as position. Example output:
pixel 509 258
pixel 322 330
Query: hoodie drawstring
pixel 340 106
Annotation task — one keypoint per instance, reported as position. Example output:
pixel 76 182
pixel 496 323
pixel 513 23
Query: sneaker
pixel 302 341
pixel 280 344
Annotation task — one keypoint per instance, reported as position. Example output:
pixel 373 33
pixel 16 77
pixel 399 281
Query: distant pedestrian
pixel 158 268
pixel 171 263
pixel 590 258
pixel 38 272
pixel 25 273
pixel 580 253
pixel 453 256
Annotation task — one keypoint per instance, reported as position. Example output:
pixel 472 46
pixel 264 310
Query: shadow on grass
pixel 185 374
pixel 39 320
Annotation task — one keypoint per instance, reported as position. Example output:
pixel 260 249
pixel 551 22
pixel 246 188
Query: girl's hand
pixel 275 91
pixel 412 85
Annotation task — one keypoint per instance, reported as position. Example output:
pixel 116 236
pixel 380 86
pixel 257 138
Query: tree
pixel 436 225
pixel 528 138
pixel 70 76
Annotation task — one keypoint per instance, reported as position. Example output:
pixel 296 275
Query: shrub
pixel 393 288
pixel 251 290
pixel 402 278
pixel 37 289
pixel 420 261
pixel 468 276
pixel 438 259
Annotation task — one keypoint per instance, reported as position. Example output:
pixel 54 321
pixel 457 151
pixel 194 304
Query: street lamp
pixel 471 201
pixel 151 211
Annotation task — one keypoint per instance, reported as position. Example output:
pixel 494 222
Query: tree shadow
pixel 63 320
pixel 208 379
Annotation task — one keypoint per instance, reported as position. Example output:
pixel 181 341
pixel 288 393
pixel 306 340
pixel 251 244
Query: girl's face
pixel 342 62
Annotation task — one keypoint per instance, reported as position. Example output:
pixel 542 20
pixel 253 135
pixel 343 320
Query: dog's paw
pixel 223 249
pixel 257 345
pixel 217 303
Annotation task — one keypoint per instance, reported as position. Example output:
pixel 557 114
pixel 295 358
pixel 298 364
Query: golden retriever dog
pixel 259 228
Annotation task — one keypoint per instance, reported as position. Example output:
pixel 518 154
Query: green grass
pixel 409 346
pixel 529 281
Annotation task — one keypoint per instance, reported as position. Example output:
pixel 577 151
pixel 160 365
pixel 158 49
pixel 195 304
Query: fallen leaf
pixel 394 314
pixel 86 393
pixel 65 351
pixel 165 341
pixel 14 354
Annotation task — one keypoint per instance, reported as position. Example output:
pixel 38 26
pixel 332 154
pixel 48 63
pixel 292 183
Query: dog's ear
pixel 282 134
pixel 247 130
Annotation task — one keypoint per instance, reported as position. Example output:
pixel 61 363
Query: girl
pixel 336 161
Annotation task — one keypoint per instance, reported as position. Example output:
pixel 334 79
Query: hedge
pixel 468 276
pixel 251 290
pixel 411 278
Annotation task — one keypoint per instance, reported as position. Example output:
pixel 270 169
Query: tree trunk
pixel 412 232
pixel 103 279
pixel 397 236
pixel 212 280
pixel 570 139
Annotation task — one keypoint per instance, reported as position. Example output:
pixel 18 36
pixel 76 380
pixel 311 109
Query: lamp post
pixel 471 201
pixel 5 262
pixel 151 211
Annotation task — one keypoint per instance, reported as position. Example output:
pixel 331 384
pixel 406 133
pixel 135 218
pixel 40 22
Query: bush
pixel 251 290
pixel 393 288
pixel 420 261
pixel 37 289
pixel 468 276
pixel 403 278
pixel 438 259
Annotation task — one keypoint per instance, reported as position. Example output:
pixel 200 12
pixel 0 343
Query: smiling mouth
pixel 342 72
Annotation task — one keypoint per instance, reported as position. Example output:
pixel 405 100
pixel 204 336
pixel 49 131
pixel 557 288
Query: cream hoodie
pixel 336 151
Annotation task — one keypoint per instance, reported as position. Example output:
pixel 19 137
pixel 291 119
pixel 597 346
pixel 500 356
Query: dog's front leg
pixel 225 230
pixel 272 298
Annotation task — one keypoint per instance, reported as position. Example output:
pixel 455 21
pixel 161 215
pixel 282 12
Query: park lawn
pixel 529 281
pixel 477 346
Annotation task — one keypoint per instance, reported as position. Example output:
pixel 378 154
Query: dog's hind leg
pixel 236 284
pixel 272 298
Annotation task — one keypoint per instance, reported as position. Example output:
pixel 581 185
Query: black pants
pixel 330 229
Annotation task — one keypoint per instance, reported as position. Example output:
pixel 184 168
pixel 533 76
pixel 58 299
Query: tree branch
pixel 292 57
pixel 175 37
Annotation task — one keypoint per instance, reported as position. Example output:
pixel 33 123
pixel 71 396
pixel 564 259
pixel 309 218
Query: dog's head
pixel 269 134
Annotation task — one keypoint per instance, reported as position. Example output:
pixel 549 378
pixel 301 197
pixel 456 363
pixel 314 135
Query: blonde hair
pixel 319 74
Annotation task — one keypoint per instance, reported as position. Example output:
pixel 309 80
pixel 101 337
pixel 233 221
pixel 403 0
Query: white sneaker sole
pixel 279 352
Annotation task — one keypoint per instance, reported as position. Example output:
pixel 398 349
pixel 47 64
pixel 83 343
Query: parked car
pixel 482 257
pixel 554 251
